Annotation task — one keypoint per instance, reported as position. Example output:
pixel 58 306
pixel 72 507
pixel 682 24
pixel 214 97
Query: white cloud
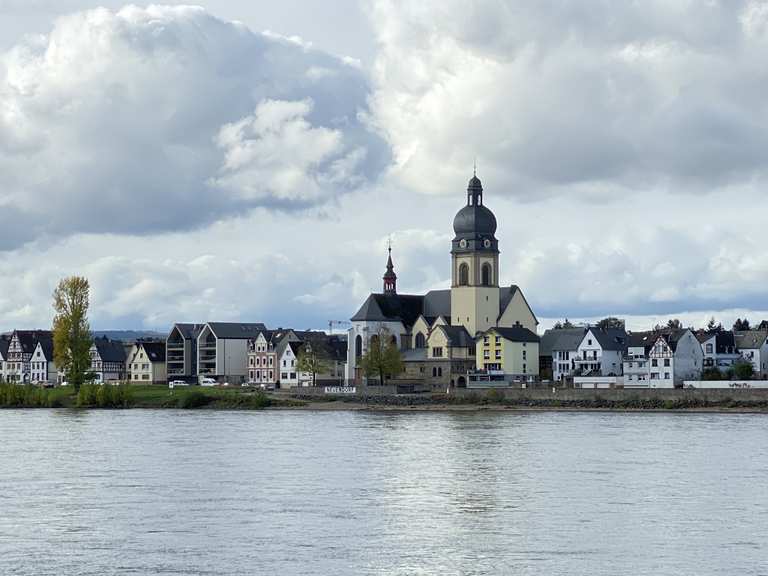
pixel 142 120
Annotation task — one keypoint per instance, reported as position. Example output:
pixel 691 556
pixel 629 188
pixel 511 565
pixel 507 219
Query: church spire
pixel 390 278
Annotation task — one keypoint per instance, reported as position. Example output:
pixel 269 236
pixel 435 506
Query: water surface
pixel 166 492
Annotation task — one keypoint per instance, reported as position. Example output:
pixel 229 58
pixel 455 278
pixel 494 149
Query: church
pixel 436 332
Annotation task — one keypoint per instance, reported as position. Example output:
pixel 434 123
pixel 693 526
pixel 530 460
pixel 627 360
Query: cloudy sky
pixel 247 160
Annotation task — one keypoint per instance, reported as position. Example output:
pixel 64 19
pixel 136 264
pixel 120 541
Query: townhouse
pixel 5 341
pixel 21 348
pixel 560 348
pixel 719 348
pixel 42 367
pixel 753 347
pixel 222 350
pixel 181 351
pixel 147 363
pixel 108 360
pixel 505 355
pixel 662 359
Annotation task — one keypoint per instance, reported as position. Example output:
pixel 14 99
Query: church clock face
pixel 487 243
pixel 463 243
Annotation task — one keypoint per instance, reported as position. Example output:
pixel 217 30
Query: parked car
pixel 173 383
pixel 267 386
pixel 208 382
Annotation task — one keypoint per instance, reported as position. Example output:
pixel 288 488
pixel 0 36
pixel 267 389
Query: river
pixel 299 492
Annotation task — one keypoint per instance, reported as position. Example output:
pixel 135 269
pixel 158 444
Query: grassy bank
pixel 494 398
pixel 121 397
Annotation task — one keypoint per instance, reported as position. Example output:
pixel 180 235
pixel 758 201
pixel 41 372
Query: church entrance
pixel 461 382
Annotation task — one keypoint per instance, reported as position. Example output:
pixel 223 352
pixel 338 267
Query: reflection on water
pixel 142 492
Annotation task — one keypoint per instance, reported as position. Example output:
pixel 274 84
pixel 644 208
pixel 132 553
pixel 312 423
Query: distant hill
pixel 129 335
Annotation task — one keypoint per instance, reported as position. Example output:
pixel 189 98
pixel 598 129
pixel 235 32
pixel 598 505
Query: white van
pixel 208 382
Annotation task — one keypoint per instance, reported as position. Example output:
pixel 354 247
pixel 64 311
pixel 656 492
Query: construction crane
pixel 339 323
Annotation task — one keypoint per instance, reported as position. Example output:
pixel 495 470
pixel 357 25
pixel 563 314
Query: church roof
pixel 407 308
pixel 458 336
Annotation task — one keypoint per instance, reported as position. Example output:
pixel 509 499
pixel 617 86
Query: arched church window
pixel 358 346
pixel 487 274
pixel 464 274
pixel 421 342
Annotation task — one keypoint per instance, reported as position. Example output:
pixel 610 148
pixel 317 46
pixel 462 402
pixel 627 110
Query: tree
pixel 382 359
pixel 741 325
pixel 743 370
pixel 610 322
pixel 71 332
pixel 674 324
pixel 564 325
pixel 314 358
pixel 712 326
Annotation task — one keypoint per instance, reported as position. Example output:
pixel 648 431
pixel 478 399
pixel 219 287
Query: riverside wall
pixel 714 395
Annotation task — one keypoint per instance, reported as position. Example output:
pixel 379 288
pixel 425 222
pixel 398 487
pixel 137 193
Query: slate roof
pixel 642 339
pixel 562 339
pixel 155 351
pixel 110 350
pixel 407 308
pixel 236 330
pixel 5 341
pixel 750 339
pixel 611 339
pixel 45 339
pixel 29 339
pixel 672 337
pixel 188 331
pixel 515 334
pixel 458 336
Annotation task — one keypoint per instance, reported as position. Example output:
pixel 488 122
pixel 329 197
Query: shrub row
pixel 104 396
pixel 15 396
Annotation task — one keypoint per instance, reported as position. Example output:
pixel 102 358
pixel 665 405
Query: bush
pixel 194 399
pixel 104 396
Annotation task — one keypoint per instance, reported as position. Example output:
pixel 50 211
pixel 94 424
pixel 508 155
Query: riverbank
pixel 231 398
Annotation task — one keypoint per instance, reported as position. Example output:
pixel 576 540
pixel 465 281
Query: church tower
pixel 475 262
pixel 390 278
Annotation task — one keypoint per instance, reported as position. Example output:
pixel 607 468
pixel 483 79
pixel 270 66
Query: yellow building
pixel 512 351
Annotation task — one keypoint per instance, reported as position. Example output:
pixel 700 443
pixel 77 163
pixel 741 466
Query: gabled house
pixel 262 356
pixel 662 359
pixel 21 347
pixel 146 363
pixel 507 353
pixel 108 360
pixel 450 355
pixel 42 368
pixel 601 352
pixel 559 349
pixel 5 341
pixel 222 350
pixel 719 349
pixel 287 363
pixel 181 351
pixel 753 347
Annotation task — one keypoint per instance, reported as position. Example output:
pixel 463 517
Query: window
pixel 498 339
pixel 666 375
pixel 437 352
pixel 439 371
pixel 654 375
pixel 498 354
pixel 145 376
pixel 250 374
pixel 654 362
pixel 421 341
pixel 524 369
pixel 145 366
pixel 284 375
pixel 434 372
pixel 589 342
pixel 486 340
pixel 524 355
pixel 486 354
pixel 709 348
pixel 293 375
pixel 463 274
pixel 358 346
pixel 270 358
pixel 486 275
pixel 250 362
pixel 285 363
pixel 270 374
pixel 666 362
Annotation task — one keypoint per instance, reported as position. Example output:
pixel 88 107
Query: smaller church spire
pixel 390 278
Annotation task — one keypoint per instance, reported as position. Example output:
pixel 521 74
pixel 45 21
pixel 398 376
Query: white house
pixel 599 358
pixel 146 363
pixel 222 350
pixel 662 359
pixel 107 360
pixel 287 363
pixel 565 349
pixel 42 368
pixel 753 347
pixel 719 349
pixel 21 347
